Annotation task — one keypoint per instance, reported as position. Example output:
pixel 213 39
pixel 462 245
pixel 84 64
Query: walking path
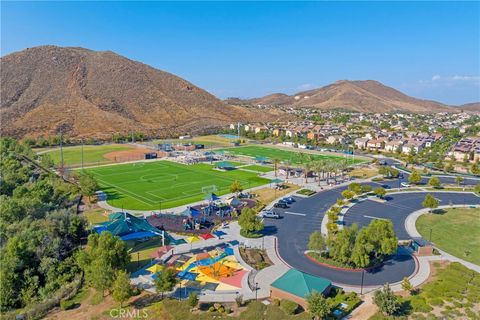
pixel 262 278
pixel 410 226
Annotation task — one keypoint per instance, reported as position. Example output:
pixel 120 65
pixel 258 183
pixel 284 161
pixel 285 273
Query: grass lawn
pixel 95 216
pixel 363 173
pixel 72 156
pixel 140 252
pixel 165 184
pixel 258 168
pixel 457 231
pixel 282 155
pixel 267 195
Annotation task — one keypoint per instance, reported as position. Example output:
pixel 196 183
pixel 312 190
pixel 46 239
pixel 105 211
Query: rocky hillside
pixel 470 107
pixel 95 94
pixel 364 96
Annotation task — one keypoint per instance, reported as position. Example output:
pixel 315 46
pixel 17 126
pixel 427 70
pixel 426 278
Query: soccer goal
pixel 209 189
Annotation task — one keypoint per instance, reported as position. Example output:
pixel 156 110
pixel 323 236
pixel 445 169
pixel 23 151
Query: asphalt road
pixel 399 206
pixel 306 214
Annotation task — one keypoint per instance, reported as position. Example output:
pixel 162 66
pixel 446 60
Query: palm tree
pixel 307 166
pixel 276 161
pixel 287 165
pixel 319 167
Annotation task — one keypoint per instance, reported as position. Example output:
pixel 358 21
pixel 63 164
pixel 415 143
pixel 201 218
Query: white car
pixel 405 185
pixel 270 214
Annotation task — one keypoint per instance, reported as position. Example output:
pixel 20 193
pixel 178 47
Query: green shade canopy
pixel 261 159
pixel 276 181
pixel 225 164
pixel 300 284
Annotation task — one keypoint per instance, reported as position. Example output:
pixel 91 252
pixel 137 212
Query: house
pixel 295 285
pixel 415 145
pixel 394 145
pixel 247 127
pixel 361 143
pixel 335 138
pixel 376 144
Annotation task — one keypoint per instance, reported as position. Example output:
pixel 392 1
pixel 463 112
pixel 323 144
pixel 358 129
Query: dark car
pixel 289 200
pixel 282 205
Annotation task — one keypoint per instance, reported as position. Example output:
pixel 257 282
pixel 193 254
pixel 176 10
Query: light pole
pixel 361 286
pixel 256 291
pixel 430 238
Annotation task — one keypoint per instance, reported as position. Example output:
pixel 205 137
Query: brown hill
pixel 472 107
pixel 90 93
pixel 364 96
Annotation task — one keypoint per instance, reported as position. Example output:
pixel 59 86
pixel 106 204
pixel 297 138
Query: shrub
pixel 239 300
pixel 288 306
pixel 276 302
pixel 66 304
pixel 212 309
pixel 419 304
pixel 221 309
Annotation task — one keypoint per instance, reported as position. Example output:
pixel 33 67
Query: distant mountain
pixel 472 107
pixel 96 94
pixel 364 96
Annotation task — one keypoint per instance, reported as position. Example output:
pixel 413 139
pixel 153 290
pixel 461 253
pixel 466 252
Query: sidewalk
pixel 262 278
pixel 410 226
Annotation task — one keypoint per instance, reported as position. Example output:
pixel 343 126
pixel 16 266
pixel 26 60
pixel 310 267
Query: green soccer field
pixel 282 155
pixel 164 184
pixel 72 156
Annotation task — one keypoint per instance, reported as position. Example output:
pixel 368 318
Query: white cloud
pixel 439 81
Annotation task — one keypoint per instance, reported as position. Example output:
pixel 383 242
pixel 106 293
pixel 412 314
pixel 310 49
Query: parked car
pixel 289 199
pixel 282 205
pixel 283 201
pixel 270 214
pixel 405 185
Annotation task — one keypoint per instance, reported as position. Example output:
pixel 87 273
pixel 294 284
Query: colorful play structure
pixel 216 270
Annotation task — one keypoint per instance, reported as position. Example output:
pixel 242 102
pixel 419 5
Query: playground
pixel 164 184
pixel 212 268
pixel 296 157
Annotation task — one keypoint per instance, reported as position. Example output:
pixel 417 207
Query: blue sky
pixel 428 50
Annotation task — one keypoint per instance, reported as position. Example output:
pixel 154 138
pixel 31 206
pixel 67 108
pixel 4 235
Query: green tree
pixel 386 300
pixel 341 246
pixel 121 289
pixel 318 305
pixel 103 256
pixel 362 249
pixel 475 169
pixel 477 188
pixel 165 281
pixel 347 194
pixel 355 188
pixel 88 184
pixel 381 236
pixel 317 242
pixel 415 177
pixel 46 160
pixel 236 187
pixel 380 192
pixel 435 182
pixel 406 285
pixel 458 180
pixel 430 202
pixel 249 222
pixel 192 299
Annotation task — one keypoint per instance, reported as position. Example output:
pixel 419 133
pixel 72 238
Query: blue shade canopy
pixel 219 233
pixel 212 197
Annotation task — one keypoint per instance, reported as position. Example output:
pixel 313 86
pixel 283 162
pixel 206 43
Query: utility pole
pixel 82 154
pixel 61 148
